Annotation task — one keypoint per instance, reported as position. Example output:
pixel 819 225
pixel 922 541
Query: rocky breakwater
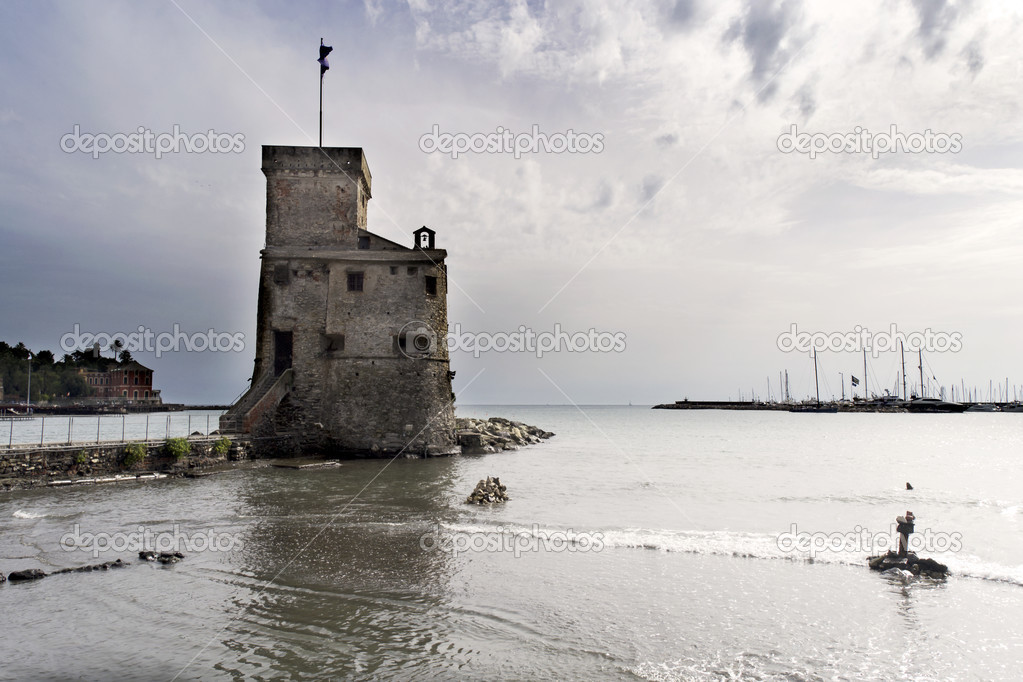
pixel 489 491
pixel 479 436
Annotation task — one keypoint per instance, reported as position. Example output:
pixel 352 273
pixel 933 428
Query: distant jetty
pixel 778 407
pixel 919 405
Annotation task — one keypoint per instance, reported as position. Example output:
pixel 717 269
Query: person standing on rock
pixel 904 528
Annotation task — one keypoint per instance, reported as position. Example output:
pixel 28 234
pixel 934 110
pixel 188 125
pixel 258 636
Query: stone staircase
pixel 263 397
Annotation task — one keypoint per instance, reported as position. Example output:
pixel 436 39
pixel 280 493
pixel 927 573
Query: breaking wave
pixel 735 544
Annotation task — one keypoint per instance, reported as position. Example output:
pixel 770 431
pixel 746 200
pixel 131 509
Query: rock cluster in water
pixel 929 568
pixel 478 436
pixel 162 557
pixel 37 574
pixel 489 491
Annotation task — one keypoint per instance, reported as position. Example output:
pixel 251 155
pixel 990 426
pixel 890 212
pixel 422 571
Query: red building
pixel 130 381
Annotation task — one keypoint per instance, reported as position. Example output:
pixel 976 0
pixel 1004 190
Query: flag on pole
pixel 324 51
pixel 855 381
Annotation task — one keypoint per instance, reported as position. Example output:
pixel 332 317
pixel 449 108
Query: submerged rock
pixel 899 574
pixel 910 563
pixel 105 566
pixel 27 574
pixel 162 557
pixel 489 491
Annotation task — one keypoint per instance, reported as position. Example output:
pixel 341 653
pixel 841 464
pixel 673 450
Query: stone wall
pixel 68 465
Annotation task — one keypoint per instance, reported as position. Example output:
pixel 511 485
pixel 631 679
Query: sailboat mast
pixel 815 385
pixel 866 393
pixel 905 396
pixel 920 355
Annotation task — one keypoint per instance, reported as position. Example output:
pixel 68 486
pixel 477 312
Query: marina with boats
pixel 899 399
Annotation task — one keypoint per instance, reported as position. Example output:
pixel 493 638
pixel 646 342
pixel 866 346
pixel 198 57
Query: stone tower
pixel 350 352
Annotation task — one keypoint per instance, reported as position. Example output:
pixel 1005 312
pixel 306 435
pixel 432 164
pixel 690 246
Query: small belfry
pixel 350 351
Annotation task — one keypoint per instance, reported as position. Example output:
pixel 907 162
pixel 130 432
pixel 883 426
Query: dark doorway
pixel 282 352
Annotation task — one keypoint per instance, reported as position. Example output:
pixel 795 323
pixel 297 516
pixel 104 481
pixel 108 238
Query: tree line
pixel 51 378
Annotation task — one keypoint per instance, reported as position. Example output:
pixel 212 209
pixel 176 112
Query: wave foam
pixel 736 544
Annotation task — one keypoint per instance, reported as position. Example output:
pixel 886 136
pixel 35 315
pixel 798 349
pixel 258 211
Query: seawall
pixel 32 466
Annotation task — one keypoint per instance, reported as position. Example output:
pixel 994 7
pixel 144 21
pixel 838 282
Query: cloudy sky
pixel 689 232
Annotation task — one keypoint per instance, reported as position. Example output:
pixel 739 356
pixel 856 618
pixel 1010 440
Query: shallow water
pixel 638 544
pixel 86 429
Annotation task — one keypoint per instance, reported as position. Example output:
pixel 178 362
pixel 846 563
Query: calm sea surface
pixel 638 544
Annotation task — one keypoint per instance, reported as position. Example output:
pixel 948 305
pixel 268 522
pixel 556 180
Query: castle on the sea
pixel 350 352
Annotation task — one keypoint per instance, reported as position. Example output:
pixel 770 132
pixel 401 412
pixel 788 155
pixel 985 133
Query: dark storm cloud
pixel 680 13
pixel 806 101
pixel 601 198
pixel 973 57
pixel 652 184
pixel 666 140
pixel 605 196
pixel 936 19
pixel 762 30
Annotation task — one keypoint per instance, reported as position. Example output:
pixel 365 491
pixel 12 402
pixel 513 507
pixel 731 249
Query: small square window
pixel 363 242
pixel 413 270
pixel 431 285
pixel 355 281
pixel 281 273
pixel 394 269
pixel 332 342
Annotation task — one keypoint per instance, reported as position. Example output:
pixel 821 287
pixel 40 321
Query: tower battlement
pixel 315 197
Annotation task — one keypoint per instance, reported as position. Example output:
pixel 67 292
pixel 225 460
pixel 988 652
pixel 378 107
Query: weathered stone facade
pixel 358 319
